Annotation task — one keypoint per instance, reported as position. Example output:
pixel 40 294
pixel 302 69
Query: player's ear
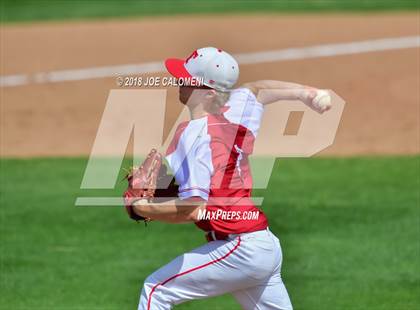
pixel 210 94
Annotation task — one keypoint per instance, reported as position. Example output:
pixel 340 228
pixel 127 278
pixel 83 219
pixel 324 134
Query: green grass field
pixel 33 10
pixel 349 230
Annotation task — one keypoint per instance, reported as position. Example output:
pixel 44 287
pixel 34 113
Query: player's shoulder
pixel 189 127
pixel 242 94
pixel 194 130
pixel 180 130
pixel 181 126
pixel 187 134
pixel 249 87
pixel 243 89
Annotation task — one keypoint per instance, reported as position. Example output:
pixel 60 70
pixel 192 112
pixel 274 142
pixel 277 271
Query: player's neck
pixel 197 112
pixel 200 111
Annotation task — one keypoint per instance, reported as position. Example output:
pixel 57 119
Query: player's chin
pixel 182 99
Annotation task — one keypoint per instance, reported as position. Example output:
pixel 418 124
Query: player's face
pixel 185 93
pixel 192 96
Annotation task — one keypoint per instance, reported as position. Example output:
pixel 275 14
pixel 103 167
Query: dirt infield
pixel 56 119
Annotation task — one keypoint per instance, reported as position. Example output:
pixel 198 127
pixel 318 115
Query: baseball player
pixel 209 157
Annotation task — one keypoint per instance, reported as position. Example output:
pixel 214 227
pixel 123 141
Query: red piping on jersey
pixel 191 270
pixel 239 139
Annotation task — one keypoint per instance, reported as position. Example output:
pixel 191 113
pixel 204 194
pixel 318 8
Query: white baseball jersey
pixel 209 157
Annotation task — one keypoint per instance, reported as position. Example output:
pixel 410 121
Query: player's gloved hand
pixel 149 181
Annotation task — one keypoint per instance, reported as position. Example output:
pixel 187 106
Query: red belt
pixel 213 236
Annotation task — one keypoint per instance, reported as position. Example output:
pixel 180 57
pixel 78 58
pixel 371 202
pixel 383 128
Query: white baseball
pixel 322 100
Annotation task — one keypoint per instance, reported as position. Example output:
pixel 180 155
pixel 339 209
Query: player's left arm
pixel 174 211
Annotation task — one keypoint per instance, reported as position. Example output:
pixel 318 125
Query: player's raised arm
pixel 269 91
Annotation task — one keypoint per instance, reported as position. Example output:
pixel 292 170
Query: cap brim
pixel 176 68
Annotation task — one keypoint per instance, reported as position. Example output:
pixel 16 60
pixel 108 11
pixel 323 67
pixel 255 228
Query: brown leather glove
pixel 149 181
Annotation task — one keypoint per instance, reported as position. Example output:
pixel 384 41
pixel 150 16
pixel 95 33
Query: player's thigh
pixel 209 270
pixel 268 296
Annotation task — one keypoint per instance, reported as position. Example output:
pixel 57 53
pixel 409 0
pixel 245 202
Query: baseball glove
pixel 150 181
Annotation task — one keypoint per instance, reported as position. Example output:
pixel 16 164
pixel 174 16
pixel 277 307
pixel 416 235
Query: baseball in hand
pixel 322 101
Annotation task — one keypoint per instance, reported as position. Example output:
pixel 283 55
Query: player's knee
pixel 160 295
pixel 148 284
pixel 153 286
pixel 155 295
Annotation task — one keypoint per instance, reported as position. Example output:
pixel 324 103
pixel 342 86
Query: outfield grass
pixel 349 230
pixel 33 10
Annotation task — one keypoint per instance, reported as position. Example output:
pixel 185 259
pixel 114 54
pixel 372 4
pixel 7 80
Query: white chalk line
pixel 315 51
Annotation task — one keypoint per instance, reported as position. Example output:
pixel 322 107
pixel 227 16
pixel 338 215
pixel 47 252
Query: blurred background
pixel 348 219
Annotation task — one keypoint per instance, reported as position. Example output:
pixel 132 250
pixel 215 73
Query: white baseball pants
pixel 246 265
